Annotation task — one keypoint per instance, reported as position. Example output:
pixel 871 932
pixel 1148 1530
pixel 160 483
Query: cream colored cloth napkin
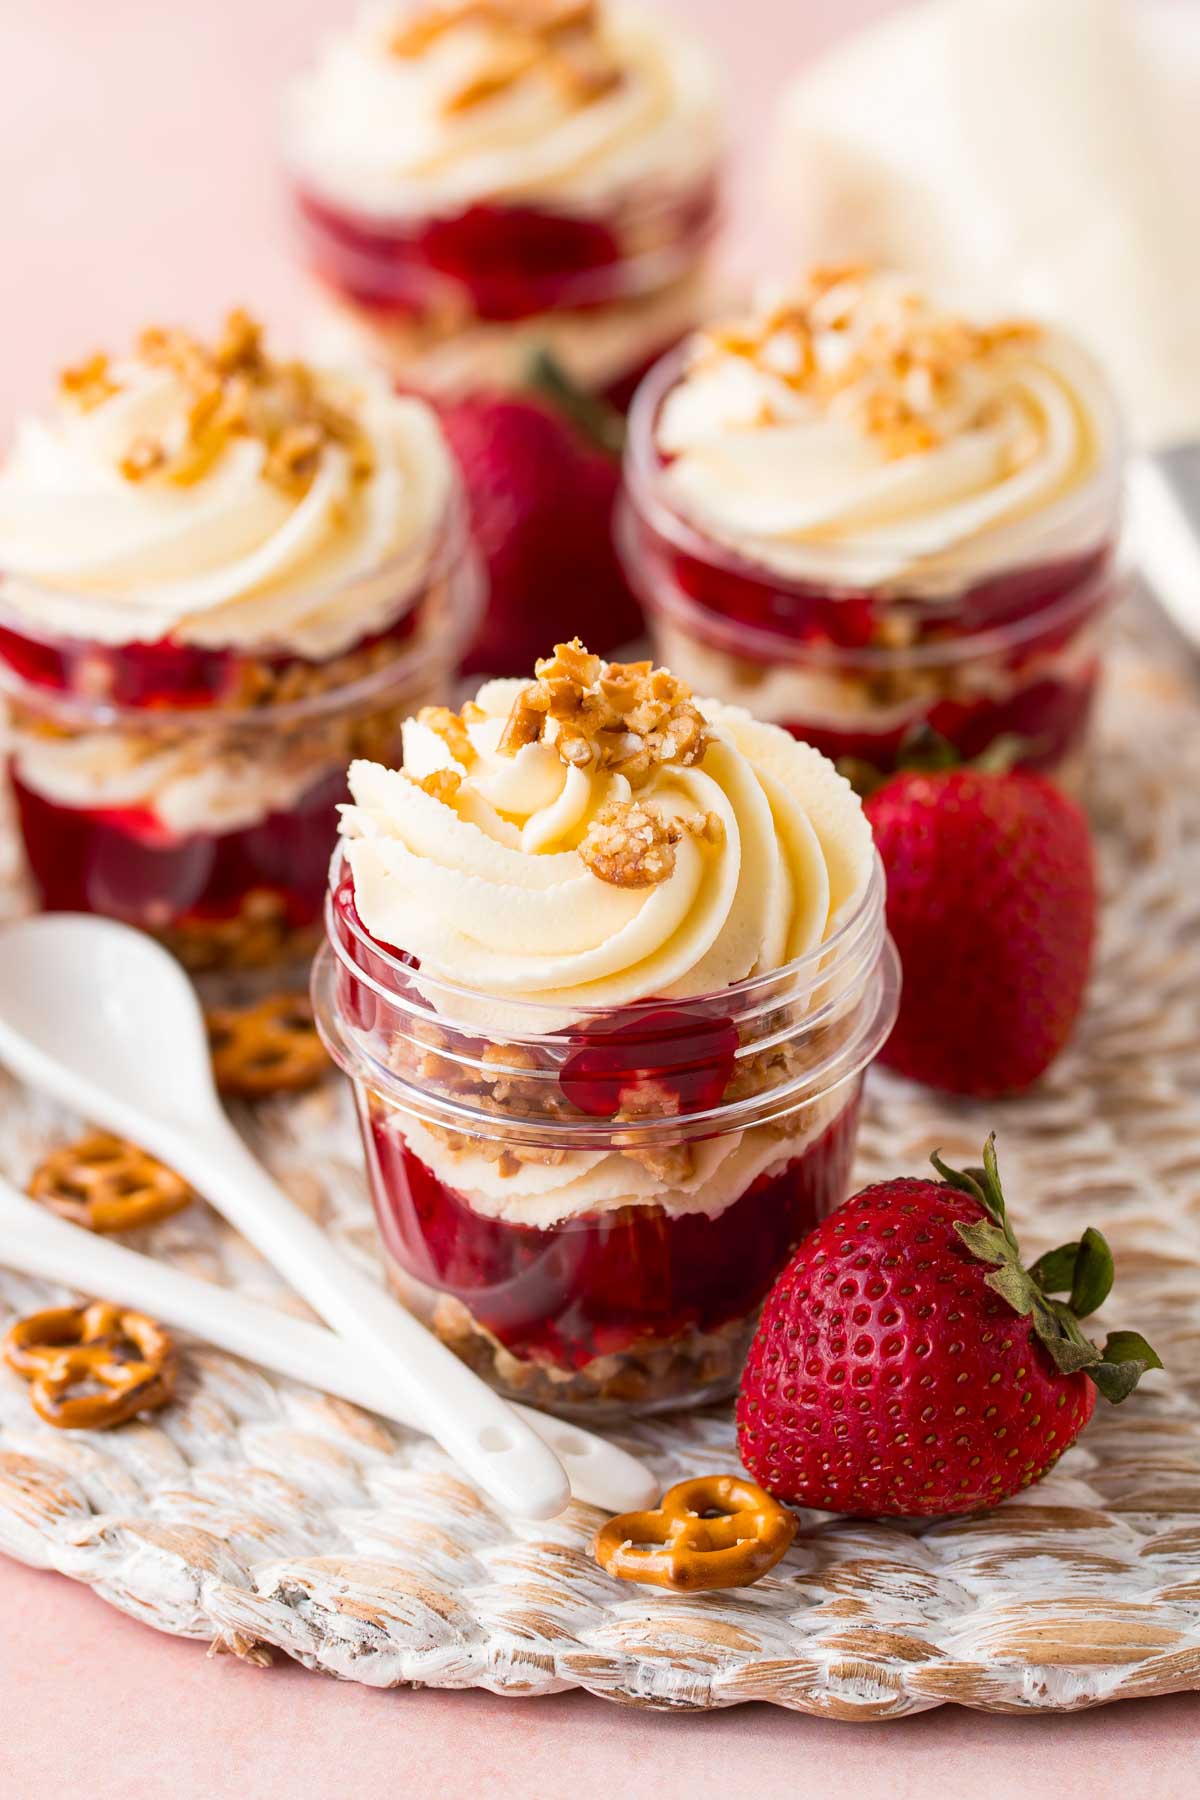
pixel 1034 155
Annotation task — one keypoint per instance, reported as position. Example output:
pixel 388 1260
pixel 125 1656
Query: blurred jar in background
pixel 476 184
pixel 221 577
pixel 867 519
pixel 509 207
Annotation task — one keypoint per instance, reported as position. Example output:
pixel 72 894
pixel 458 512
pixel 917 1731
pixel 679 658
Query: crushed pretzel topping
pixel 630 718
pixel 868 351
pixel 630 845
pixel 145 456
pixel 707 828
pixel 234 390
pixel 89 383
pixel 441 784
pixel 451 727
pixel 560 40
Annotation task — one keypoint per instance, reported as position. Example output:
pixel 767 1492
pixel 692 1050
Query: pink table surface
pixel 138 183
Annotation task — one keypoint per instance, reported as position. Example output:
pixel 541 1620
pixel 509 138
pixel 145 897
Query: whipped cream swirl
pixel 852 432
pixel 123 520
pixel 426 112
pixel 478 864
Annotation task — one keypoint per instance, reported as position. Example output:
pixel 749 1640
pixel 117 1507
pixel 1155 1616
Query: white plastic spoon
pixel 103 1018
pixel 35 1243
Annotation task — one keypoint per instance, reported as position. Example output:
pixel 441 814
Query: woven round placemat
pixel 256 1514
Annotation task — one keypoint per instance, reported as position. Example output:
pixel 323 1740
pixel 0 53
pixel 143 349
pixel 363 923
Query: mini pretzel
pixel 105 1183
pixel 92 1367
pixel 270 1048
pixel 696 1550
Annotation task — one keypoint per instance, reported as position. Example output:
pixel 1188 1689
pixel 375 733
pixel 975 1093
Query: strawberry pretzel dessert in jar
pixel 486 180
pixel 871 520
pixel 221 576
pixel 605 965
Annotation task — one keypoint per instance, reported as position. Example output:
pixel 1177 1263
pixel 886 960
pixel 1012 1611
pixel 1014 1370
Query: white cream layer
pixel 229 560
pixel 196 786
pixel 1024 468
pixel 604 1181
pixel 815 696
pixel 370 130
pixel 493 895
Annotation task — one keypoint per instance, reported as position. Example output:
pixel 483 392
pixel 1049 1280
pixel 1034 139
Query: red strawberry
pixel 991 900
pixel 542 494
pixel 907 1364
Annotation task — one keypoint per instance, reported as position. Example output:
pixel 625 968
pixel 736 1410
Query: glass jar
pixel 464 299
pixel 593 1264
pixel 193 791
pixel 861 669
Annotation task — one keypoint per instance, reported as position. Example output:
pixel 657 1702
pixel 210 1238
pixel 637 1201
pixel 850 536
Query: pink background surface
pixel 139 183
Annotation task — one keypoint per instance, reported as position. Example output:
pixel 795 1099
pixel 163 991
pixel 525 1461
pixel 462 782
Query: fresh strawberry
pixel 542 473
pixel 991 901
pixel 907 1364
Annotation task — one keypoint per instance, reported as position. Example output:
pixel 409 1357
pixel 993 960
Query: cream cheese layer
pixel 221 499
pixel 853 433
pixel 428 111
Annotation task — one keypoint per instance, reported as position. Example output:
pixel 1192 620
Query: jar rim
pixel 758 643
pixel 643 491
pixel 453 561
pixel 808 970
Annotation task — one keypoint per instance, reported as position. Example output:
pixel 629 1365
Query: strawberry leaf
pixel 1084 1271
pixel 963 1179
pixel 982 1185
pixel 1068 1356
pixel 984 1240
pixel 1013 1284
pixel 1123 1361
pixel 1055 1271
pixel 596 421
pixel 926 751
pixel 1093 1276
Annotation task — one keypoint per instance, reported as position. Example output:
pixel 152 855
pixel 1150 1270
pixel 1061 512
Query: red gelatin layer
pixel 125 865
pixel 502 262
pixel 603 1283
pixel 1017 655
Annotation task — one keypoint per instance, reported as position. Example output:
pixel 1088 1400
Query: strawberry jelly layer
pixel 504 262
pixel 164 675
pixel 601 1283
pixel 847 633
pixel 122 863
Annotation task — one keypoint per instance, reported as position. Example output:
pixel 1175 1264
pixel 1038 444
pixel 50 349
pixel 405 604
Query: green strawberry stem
pixel 598 422
pixel 1083 1271
pixel 925 751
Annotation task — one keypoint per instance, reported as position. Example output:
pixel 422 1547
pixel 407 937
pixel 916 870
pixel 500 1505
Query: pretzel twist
pixel 696 1550
pixel 92 1367
pixel 269 1048
pixel 105 1183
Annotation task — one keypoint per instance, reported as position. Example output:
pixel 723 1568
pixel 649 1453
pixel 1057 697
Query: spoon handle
pixel 37 1244
pixel 476 1427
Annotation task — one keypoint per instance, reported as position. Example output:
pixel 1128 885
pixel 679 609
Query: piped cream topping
pixel 221 497
pixel 495 856
pixel 853 432
pixel 429 109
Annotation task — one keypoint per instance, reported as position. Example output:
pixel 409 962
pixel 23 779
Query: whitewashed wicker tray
pixel 257 1514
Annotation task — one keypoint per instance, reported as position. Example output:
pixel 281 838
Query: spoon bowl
pixel 110 1012
pixel 102 1018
